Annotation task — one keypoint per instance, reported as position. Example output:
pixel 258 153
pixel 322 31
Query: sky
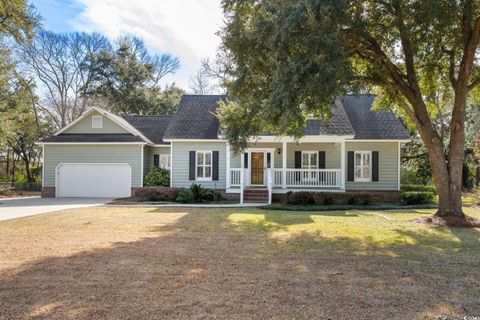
pixel 184 28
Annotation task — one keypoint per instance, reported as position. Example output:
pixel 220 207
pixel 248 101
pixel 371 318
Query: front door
pixel 257 168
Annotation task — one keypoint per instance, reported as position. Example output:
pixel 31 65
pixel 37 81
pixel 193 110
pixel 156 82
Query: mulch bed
pixel 459 222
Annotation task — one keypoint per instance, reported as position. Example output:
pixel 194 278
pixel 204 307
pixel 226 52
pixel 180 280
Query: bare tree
pixel 62 66
pixel 218 70
pixel 199 83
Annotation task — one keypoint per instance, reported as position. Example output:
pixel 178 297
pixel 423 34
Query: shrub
pixel 366 199
pixel 352 199
pixel 288 197
pixel 185 196
pixel 157 177
pixel 419 187
pixel 197 193
pixel 416 197
pixel 157 193
pixel 302 197
pixel 327 200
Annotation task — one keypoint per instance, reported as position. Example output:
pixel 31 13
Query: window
pixel 204 165
pixel 362 165
pixel 309 160
pixel 97 122
pixel 165 161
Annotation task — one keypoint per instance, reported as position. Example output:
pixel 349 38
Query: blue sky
pixel 184 28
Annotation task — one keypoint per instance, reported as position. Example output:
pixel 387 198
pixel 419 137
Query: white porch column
pixel 284 165
pixel 227 177
pixel 242 175
pixel 342 165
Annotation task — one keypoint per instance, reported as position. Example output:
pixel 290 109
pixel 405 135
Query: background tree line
pixel 48 79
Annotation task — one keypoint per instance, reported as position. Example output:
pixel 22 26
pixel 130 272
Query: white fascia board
pixel 118 120
pixel 379 140
pixel 303 139
pixel 90 143
pixel 194 140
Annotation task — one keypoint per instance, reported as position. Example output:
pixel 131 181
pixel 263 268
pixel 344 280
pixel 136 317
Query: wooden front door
pixel 257 168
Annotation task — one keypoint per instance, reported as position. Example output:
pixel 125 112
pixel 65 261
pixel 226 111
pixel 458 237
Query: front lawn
pixel 136 263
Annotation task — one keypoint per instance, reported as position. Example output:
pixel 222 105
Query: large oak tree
pixel 292 57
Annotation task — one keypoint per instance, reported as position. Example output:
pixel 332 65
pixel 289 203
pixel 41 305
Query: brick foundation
pixel 48 192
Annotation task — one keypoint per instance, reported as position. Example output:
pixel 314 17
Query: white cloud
pixel 184 28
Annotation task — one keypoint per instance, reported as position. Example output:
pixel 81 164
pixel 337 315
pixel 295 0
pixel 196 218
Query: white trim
pixel 43 165
pixel 195 140
pixel 399 164
pixel 278 190
pixel 227 165
pixel 89 163
pixel 342 164
pixel 171 165
pixel 369 179
pixel 284 165
pixel 249 170
pixel 120 121
pixel 142 165
pixel 90 143
pixel 100 124
pixel 379 140
pixel 303 139
pixel 160 145
pixel 204 165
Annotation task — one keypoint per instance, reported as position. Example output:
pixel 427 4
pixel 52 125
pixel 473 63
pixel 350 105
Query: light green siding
pixel 180 163
pixel 85 125
pixel 387 165
pixel 56 154
pixel 332 153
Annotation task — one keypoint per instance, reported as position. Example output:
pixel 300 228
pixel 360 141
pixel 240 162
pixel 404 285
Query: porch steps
pixel 255 195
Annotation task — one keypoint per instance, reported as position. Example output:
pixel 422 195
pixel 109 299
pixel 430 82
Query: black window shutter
pixel 321 159
pixel 245 163
pixel 374 165
pixel 156 160
pixel 298 159
pixel 350 166
pixel 215 165
pixel 191 170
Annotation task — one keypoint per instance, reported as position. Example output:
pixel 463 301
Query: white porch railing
pixel 297 178
pixel 235 177
pixel 327 178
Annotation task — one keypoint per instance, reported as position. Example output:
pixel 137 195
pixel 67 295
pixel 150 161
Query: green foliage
pixel 416 197
pixel 128 78
pixel 158 177
pixel 197 193
pixel 418 187
pixel 17 19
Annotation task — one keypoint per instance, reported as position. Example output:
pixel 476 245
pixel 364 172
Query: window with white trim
pixel 97 122
pixel 363 166
pixel 165 161
pixel 309 160
pixel 204 165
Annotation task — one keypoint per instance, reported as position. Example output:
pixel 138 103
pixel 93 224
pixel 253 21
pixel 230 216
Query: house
pixel 104 155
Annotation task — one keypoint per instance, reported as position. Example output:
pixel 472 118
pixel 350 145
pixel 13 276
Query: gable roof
pixel 372 125
pixel 338 124
pixel 152 127
pixel 93 138
pixel 195 118
pixel 117 119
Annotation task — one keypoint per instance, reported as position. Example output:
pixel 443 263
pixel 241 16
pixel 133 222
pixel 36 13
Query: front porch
pixel 284 166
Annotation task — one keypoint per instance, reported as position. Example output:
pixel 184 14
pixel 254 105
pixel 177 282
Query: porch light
pixel 279 150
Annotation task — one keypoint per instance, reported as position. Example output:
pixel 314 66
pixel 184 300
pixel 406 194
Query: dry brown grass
pixel 143 263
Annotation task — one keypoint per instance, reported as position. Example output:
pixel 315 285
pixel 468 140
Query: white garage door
pixel 94 180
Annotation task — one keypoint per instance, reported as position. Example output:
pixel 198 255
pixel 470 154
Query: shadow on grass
pixel 203 266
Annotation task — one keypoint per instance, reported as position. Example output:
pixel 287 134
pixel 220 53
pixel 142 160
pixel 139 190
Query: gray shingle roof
pixel 374 125
pixel 152 127
pixel 338 124
pixel 94 137
pixel 195 118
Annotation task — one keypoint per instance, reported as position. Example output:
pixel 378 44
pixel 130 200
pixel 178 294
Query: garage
pixel 93 180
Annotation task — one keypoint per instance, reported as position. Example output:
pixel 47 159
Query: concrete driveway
pixel 22 207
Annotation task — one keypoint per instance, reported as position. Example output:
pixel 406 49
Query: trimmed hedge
pixel 157 193
pixel 416 197
pixel 327 198
pixel 158 177
pixel 418 187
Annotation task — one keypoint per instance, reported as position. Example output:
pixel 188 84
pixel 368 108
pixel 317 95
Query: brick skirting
pixel 48 192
